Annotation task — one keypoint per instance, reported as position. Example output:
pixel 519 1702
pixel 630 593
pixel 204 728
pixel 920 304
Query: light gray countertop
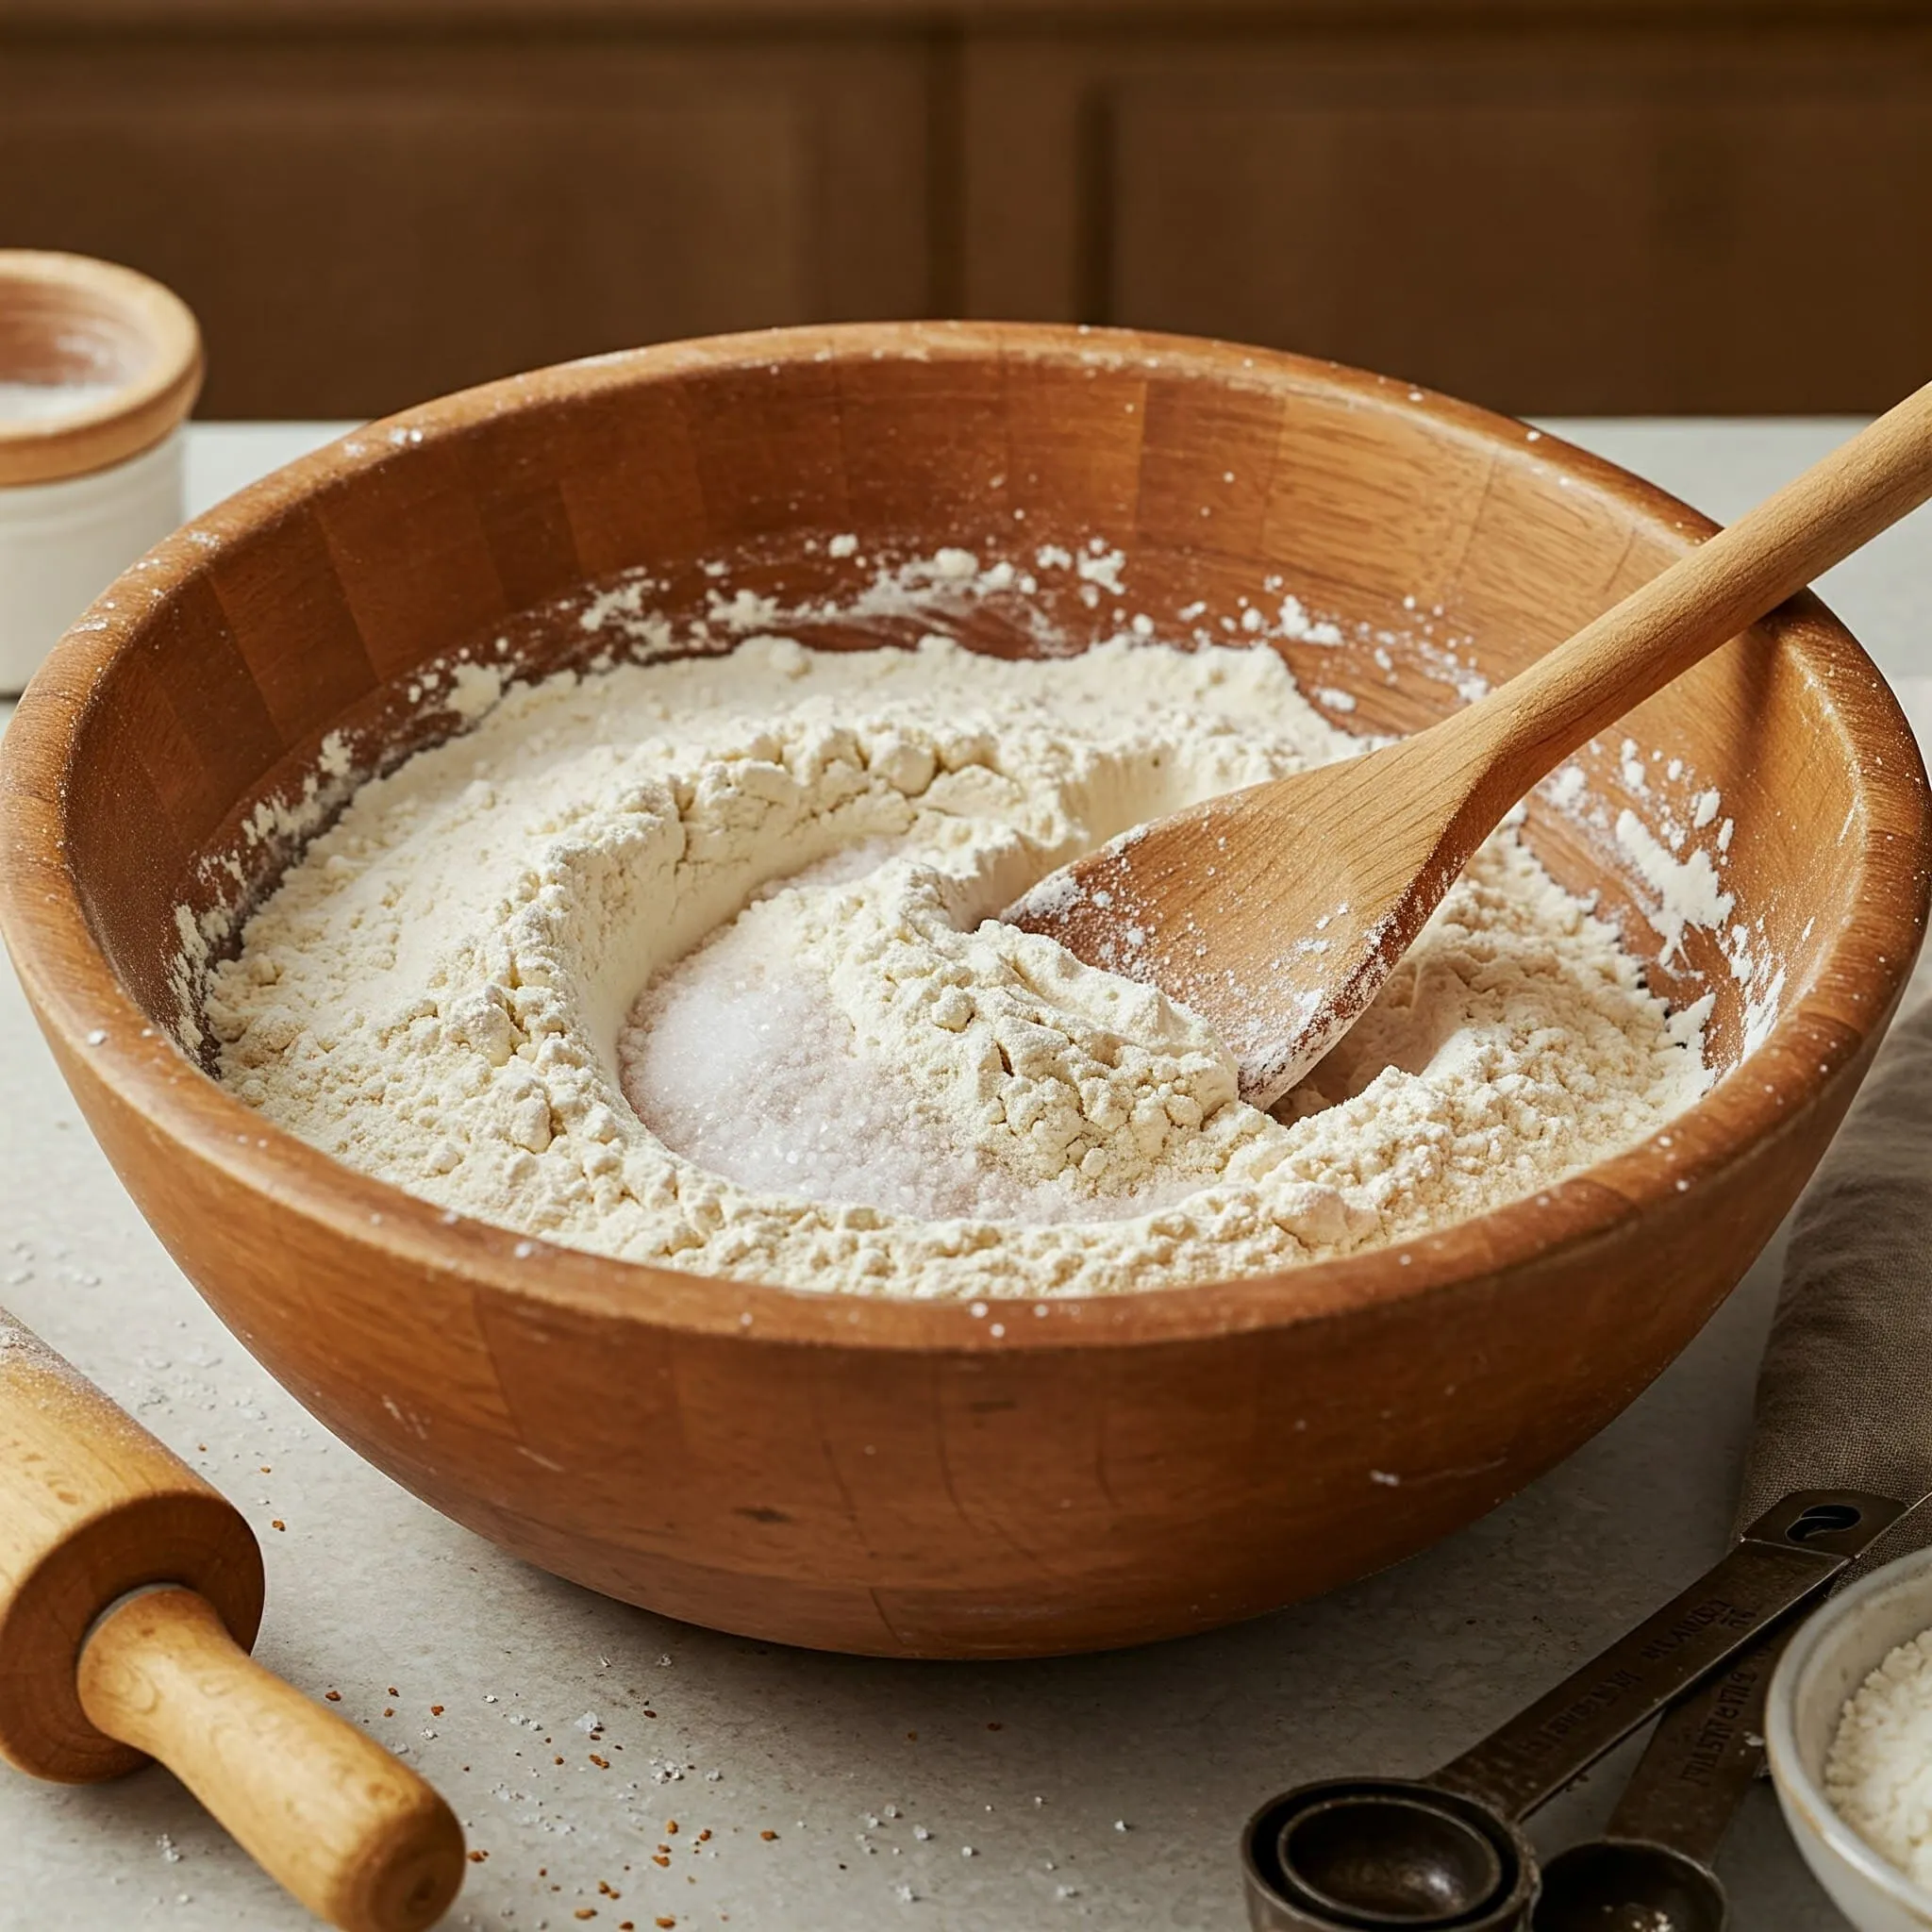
pixel 1105 1789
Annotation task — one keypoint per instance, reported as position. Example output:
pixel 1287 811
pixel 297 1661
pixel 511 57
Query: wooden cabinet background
pixel 1625 205
pixel 359 227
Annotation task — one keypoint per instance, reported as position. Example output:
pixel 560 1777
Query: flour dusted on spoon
pixel 694 963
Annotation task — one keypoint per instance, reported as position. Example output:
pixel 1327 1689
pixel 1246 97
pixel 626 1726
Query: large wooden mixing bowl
pixel 898 1478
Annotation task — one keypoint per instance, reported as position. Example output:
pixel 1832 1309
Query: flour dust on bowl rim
pixel 905 1478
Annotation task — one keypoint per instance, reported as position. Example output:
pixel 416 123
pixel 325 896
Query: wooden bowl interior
pixel 1447 544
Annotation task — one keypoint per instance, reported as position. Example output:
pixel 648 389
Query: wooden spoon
pixel 1277 912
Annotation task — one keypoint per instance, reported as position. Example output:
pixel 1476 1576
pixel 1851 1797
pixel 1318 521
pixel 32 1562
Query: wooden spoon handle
pixel 360 1840
pixel 1663 627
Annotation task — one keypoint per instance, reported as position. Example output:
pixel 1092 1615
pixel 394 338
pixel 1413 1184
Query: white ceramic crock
pixel 62 544
pixel 84 492
pixel 1832 1654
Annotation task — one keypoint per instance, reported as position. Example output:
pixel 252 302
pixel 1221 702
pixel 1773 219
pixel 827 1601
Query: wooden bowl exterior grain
pixel 895 1477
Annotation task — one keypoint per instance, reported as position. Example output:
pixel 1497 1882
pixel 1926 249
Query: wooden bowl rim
pixel 139 413
pixel 102 1035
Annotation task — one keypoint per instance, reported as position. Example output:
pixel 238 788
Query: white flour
pixel 748 892
pixel 47 402
pixel 1878 1771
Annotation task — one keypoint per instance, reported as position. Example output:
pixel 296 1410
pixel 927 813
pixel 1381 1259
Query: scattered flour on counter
pixel 693 962
pixel 1878 1771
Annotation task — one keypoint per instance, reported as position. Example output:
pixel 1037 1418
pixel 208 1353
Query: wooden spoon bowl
pixel 906 1478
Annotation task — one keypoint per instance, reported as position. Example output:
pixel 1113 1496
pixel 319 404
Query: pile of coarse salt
pixel 1878 1771
pixel 752 1073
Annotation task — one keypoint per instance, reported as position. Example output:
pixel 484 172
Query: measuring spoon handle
pixel 1790 1552
pixel 1704 1755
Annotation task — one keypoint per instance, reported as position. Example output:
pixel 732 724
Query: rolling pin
pixel 130 1591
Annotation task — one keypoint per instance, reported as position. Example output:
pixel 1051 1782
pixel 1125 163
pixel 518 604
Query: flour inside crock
pixel 693 962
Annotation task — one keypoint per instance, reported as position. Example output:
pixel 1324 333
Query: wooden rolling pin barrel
pixel 130 1590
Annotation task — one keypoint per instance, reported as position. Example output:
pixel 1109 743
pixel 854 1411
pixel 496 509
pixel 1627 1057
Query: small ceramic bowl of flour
pixel 1849 1733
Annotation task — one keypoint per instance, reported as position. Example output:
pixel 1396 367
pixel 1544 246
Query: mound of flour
pixel 693 962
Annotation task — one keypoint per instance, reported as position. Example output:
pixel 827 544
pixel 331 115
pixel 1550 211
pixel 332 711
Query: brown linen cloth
pixel 1844 1398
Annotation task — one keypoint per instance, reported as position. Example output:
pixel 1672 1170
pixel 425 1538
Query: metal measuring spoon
pixel 1649 1872
pixel 1446 1853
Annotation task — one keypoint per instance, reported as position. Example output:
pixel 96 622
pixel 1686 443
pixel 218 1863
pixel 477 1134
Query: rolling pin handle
pixel 359 1838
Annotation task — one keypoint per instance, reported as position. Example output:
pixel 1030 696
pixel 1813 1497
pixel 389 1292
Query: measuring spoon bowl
pixel 1626 1885
pixel 1444 1854
pixel 1651 1870
pixel 1384 1855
